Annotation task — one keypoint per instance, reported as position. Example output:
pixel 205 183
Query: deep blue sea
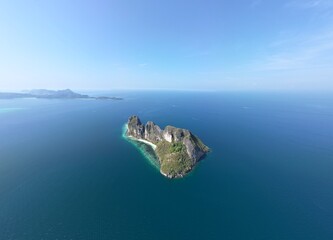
pixel 66 172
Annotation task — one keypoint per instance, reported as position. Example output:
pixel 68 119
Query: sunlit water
pixel 66 171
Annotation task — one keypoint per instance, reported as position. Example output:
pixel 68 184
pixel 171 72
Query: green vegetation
pixel 174 158
pixel 176 147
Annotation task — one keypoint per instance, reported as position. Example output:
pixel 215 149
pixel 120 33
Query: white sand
pixel 141 140
pixel 144 141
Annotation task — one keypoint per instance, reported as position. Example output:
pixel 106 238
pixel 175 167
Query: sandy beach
pixel 141 140
pixel 144 141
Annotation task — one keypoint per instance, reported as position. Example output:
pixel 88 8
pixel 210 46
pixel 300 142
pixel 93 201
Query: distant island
pixel 51 94
pixel 177 149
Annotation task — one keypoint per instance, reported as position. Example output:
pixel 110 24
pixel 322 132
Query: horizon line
pixel 168 90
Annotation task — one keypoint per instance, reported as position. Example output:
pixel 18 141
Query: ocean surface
pixel 66 172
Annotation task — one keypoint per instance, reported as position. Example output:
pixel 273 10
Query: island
pixel 52 94
pixel 177 149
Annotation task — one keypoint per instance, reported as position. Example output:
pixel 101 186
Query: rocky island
pixel 177 149
pixel 52 94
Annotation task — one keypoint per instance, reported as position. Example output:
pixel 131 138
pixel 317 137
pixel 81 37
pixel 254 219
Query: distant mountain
pixel 67 93
pixel 51 94
pixel 6 95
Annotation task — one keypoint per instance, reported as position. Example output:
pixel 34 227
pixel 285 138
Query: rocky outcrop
pixel 135 128
pixel 178 149
pixel 153 133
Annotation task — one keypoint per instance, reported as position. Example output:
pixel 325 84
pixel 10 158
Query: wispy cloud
pixel 299 53
pixel 311 4
pixel 320 9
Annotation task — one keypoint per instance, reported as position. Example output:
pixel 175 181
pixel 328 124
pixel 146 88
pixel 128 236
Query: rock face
pixel 178 150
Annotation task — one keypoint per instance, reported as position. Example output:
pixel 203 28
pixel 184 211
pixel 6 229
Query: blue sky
pixel 174 44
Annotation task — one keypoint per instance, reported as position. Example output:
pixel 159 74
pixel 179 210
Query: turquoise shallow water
pixel 7 110
pixel 66 172
pixel 146 150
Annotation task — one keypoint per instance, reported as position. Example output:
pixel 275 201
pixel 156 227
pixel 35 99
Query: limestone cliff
pixel 178 150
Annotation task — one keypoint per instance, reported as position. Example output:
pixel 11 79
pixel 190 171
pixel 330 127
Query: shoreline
pixel 152 160
pixel 144 141
pixel 153 146
pixel 140 140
